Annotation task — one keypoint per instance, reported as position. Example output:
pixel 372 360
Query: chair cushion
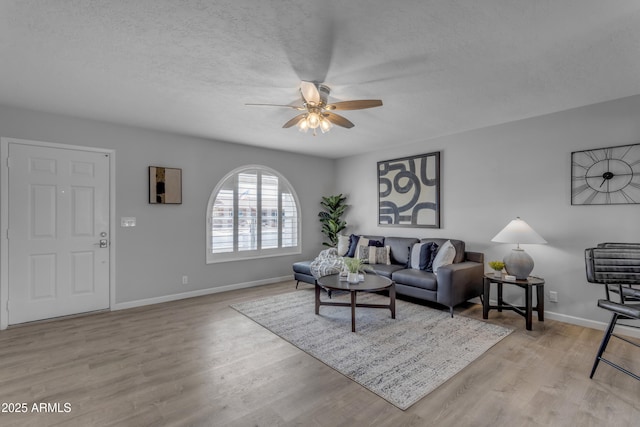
pixel 630 311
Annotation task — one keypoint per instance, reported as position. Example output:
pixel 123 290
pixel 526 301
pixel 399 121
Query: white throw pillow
pixel 414 259
pixel 445 255
pixel 343 245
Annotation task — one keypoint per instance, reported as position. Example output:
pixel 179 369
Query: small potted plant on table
pixel 354 266
pixel 497 267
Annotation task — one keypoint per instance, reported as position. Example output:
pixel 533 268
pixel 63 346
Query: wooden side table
pixel 527 285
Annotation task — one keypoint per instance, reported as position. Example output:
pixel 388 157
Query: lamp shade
pixel 518 231
pixel 518 262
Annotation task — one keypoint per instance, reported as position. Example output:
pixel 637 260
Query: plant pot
pixel 352 278
pixel 497 273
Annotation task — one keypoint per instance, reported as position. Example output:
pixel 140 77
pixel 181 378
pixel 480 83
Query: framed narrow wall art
pixel 165 185
pixel 409 191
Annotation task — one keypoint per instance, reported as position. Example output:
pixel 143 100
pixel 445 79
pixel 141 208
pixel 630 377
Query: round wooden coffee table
pixel 371 283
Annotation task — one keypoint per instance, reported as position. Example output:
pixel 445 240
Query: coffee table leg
pixel 353 311
pixel 392 300
pixel 317 299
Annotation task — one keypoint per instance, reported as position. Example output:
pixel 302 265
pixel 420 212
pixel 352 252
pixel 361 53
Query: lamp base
pixel 518 263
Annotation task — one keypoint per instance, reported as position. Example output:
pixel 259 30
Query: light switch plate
pixel 128 221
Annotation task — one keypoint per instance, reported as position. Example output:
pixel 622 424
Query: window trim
pixel 235 255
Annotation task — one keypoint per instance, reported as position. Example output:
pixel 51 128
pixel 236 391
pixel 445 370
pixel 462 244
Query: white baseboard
pixel 631 332
pixel 198 293
pixel 620 329
pixel 593 324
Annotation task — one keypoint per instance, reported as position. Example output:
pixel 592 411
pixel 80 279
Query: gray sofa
pixel 452 285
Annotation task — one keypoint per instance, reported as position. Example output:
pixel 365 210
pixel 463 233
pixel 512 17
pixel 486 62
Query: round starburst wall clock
pixel 606 176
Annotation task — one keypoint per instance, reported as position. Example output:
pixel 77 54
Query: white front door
pixel 58 231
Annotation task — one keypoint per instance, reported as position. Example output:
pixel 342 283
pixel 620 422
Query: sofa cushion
pixel 400 248
pixel 458 244
pixel 445 256
pixel 416 278
pixel 384 270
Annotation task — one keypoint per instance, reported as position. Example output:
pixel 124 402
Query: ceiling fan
pixel 317 113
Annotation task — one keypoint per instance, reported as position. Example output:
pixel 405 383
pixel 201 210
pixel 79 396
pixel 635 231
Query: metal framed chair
pixel 617 266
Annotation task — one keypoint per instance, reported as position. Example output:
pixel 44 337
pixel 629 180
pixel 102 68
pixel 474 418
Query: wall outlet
pixel 553 296
pixel 185 280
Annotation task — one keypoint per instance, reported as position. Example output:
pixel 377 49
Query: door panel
pixel 58 213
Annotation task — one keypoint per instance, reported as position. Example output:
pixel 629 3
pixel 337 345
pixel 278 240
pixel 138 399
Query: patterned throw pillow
pixel 374 255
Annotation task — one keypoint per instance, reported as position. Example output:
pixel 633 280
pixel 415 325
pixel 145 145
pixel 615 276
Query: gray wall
pixel 492 175
pixel 489 177
pixel 169 241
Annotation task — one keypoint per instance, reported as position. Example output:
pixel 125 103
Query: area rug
pixel 400 360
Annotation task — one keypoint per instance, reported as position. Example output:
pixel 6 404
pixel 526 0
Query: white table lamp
pixel 518 263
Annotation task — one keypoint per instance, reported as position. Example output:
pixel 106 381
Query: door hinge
pixel 7 306
pixel 8 162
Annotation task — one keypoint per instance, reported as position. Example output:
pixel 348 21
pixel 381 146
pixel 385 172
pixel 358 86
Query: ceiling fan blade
pixel 294 121
pixel 355 105
pixel 295 107
pixel 338 120
pixel 310 93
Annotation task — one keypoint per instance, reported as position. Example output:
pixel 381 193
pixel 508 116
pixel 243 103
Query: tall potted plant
pixel 330 218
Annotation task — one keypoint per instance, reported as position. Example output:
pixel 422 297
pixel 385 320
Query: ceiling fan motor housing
pixel 324 93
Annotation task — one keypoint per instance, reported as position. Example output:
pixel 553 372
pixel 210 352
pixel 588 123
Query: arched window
pixel 253 212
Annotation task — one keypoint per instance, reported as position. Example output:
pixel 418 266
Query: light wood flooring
pixel 199 362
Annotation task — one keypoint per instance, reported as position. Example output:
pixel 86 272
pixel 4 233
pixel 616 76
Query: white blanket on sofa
pixel 326 263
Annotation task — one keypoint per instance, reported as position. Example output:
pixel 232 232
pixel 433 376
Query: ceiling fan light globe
pixel 303 125
pixel 314 120
pixel 325 125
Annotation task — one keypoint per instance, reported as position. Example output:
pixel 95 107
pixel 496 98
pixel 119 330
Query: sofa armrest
pixel 459 282
pixel 474 256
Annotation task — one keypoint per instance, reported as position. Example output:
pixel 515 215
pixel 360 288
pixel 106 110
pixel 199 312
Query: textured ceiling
pixel 440 67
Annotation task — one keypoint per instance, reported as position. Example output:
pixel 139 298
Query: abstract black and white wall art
pixel 409 191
